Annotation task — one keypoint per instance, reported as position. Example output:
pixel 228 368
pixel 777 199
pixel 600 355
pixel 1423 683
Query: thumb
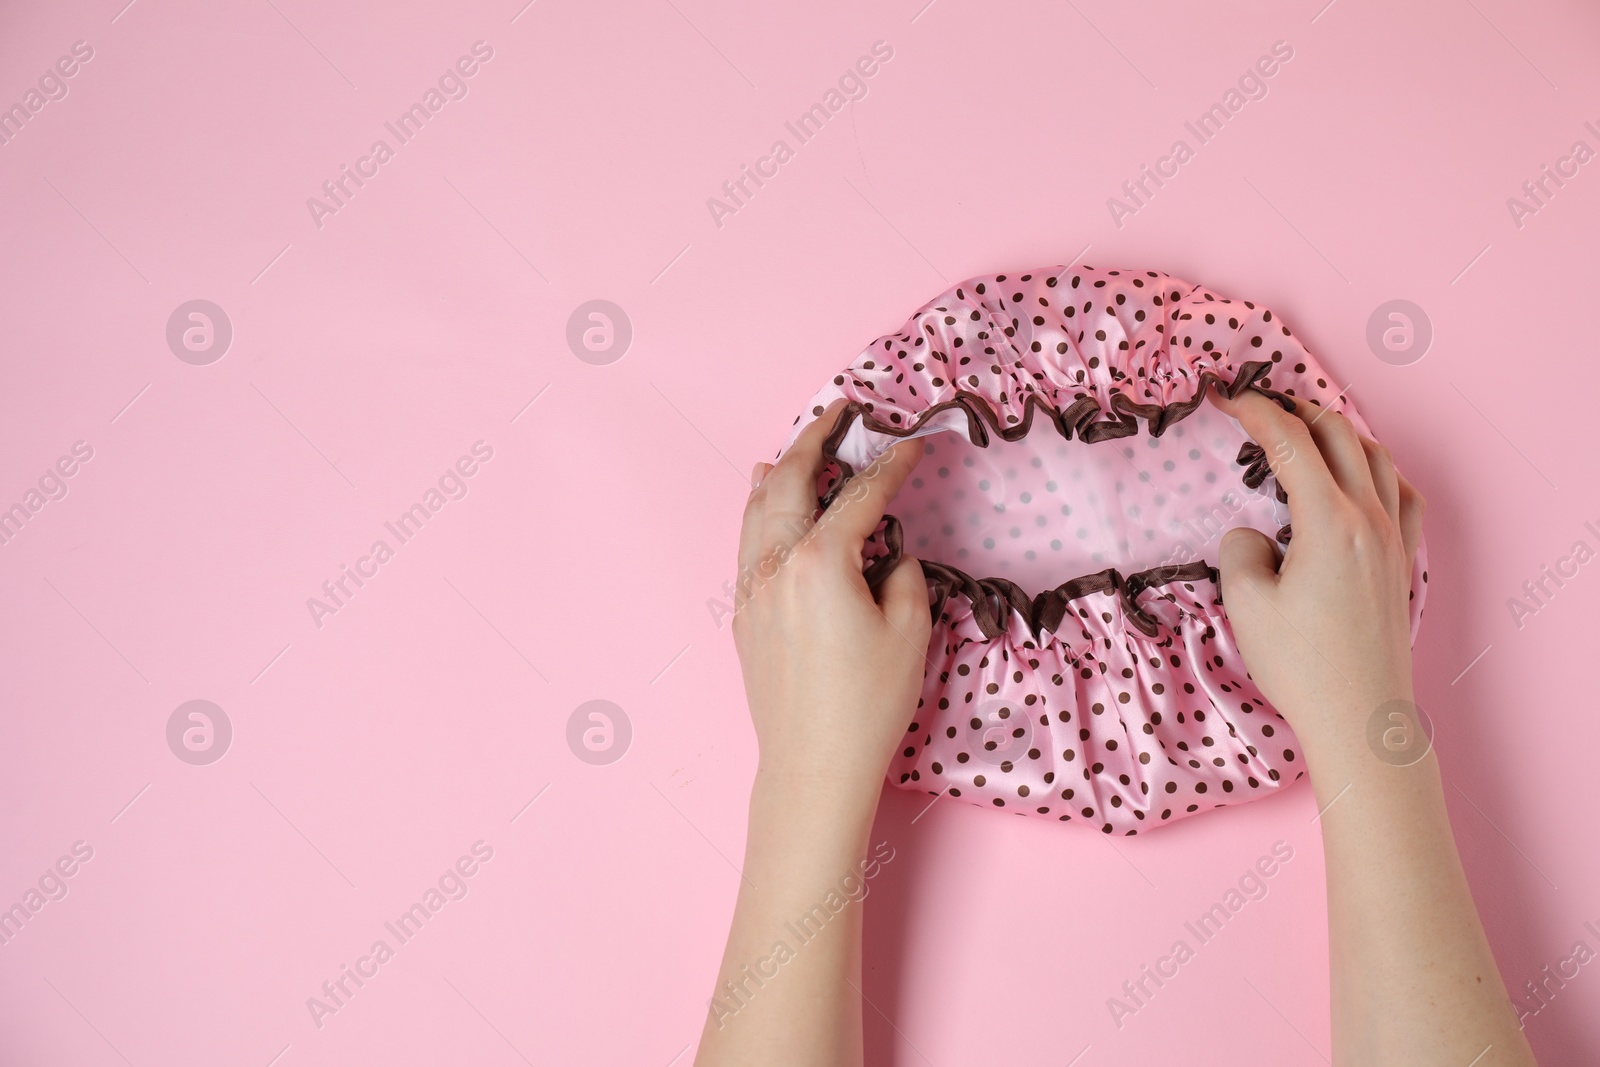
pixel 1249 564
pixel 904 595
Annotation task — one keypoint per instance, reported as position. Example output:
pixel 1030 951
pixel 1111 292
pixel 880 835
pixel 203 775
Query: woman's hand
pixel 832 674
pixel 1326 632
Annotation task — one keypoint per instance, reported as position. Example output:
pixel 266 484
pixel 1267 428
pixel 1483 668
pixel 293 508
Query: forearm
pixel 787 987
pixel 1413 978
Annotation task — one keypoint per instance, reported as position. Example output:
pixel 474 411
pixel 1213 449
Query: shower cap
pixel 1069 451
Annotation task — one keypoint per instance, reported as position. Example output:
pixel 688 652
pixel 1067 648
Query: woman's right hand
pixel 1326 631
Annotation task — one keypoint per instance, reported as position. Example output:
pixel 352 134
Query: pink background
pixel 586 560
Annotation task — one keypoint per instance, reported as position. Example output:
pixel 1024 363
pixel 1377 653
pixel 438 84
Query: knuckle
pixel 1339 426
pixel 1297 433
pixel 808 556
pixel 1296 436
pixel 770 566
pixel 1371 534
pixel 1412 499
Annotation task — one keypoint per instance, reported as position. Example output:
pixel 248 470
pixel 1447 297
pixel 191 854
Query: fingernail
pixel 758 473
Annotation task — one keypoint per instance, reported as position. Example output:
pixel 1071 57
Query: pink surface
pixel 585 559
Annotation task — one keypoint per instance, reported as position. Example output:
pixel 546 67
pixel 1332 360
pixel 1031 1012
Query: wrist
pixel 822 806
pixel 1385 746
pixel 1380 723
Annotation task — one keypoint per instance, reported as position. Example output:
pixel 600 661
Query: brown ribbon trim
pixel 1045 612
pixel 1078 419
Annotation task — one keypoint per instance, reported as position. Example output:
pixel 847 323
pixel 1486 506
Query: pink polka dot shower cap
pixel 1070 453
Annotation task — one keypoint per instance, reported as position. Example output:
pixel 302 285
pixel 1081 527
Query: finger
pixel 859 507
pixel 1385 479
pixel 1341 449
pixel 1246 560
pixel 1412 508
pixel 789 491
pixel 1292 452
pixel 904 595
pixel 750 526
